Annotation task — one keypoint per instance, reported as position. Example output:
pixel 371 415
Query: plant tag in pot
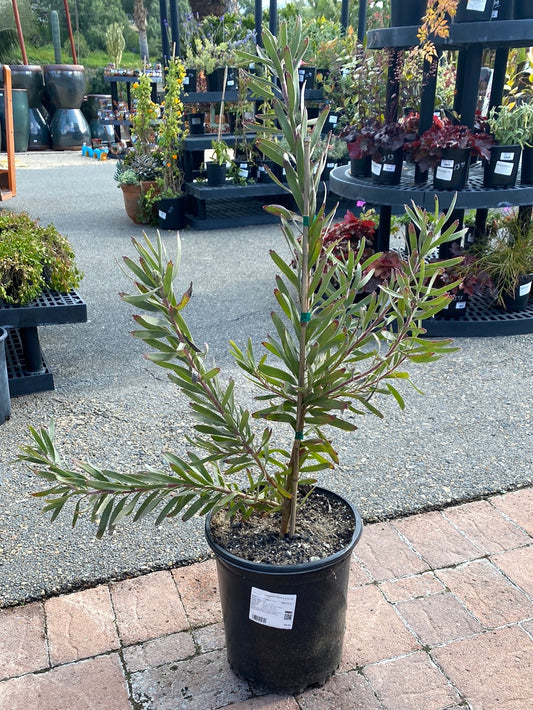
pixel 476 5
pixel 444 173
pixel 503 168
pixel 389 168
pixel 270 609
pixel 524 288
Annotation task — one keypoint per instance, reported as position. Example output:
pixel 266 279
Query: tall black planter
pixel 171 212
pixel 215 80
pixel 5 401
pixel 407 12
pixel 285 624
pixel 519 299
pixel 216 174
pixel 526 174
pixel 474 11
pixel 501 169
pixel 65 87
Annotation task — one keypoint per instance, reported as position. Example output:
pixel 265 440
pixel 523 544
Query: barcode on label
pixel 259 619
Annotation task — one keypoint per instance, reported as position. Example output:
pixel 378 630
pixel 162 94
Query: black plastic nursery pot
pixel 387 167
pixel 216 174
pixel 196 123
pixel 171 212
pixel 526 173
pixel 518 300
pixel 5 401
pixel 284 624
pixel 474 11
pixel 452 171
pixel 523 9
pixel 501 169
pixel 361 167
pixel 307 75
pixel 404 13
pixel 189 81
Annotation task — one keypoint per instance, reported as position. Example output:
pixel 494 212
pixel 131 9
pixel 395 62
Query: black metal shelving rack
pixel 469 39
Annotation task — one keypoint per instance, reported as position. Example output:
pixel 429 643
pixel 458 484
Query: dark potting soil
pixel 324 526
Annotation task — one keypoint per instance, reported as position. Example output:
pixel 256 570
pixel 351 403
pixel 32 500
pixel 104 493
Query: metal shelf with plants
pixel 484 316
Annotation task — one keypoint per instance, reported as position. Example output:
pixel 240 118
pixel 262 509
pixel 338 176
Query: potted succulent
pixel 325 361
pixel 447 147
pixel 506 126
pixel 137 176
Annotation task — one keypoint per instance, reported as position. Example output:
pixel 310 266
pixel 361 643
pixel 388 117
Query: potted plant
pixel 217 167
pixel 171 131
pixel 383 143
pixel 506 126
pixel 506 256
pixel 325 361
pixel 473 11
pixel 137 176
pixel 446 147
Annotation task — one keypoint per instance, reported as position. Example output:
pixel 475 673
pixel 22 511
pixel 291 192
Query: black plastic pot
pixel 216 174
pixel 189 81
pixel 196 123
pixel 404 13
pixel 502 10
pixel 526 174
pixel 523 9
pixel 263 176
pixel 307 75
pixel 456 308
pixel 387 167
pixel 452 171
pixel 361 167
pixel 5 401
pixel 474 11
pixel 519 300
pixel 284 625
pixel 171 212
pixel 215 80
pixel 331 124
pixel 501 169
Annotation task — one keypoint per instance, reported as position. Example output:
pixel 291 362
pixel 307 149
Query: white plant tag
pixel 460 304
pixel 270 609
pixel 445 174
pixel 447 164
pixel 503 168
pixel 476 5
pixel 376 168
pixel 389 167
pixel 507 156
pixel 524 288
pixel 333 119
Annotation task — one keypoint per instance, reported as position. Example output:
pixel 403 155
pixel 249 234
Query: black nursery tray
pixel 49 308
pixel 21 381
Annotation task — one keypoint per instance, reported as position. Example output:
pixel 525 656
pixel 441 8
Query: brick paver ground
pixel 440 617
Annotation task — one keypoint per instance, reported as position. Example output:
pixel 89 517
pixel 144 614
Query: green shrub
pixel 33 258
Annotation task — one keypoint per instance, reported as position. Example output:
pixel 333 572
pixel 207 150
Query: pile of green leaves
pixel 33 258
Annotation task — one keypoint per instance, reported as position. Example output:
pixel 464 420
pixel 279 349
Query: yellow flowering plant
pixel 171 131
pixel 145 115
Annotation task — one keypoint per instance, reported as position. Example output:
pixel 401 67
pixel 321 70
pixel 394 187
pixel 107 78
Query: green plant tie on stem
pixel 305 317
pixel 299 435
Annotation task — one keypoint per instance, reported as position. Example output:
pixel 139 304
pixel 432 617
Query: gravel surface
pixel 469 436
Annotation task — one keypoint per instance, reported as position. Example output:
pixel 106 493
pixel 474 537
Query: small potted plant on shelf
pixel 506 257
pixel 507 127
pixel 217 167
pixel 324 363
pixel 383 143
pixel 447 147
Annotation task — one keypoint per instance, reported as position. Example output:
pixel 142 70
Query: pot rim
pixel 63 67
pixel 292 569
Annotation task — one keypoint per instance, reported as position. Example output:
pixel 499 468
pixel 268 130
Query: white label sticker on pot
pixel 444 173
pixel 460 304
pixel 524 288
pixel 196 121
pixel 333 119
pixel 376 168
pixel 447 164
pixel 270 609
pixel 507 156
pixel 162 215
pixel 389 167
pixel 476 5
pixel 503 168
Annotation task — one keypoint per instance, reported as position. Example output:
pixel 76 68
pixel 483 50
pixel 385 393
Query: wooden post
pixel 7 177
